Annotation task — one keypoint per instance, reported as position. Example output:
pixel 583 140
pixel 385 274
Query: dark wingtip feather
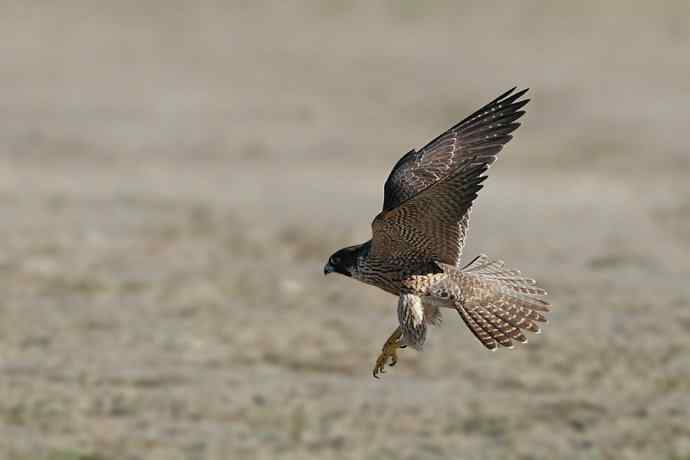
pixel 506 94
pixel 510 98
pixel 521 92
pixel 503 104
pixel 519 104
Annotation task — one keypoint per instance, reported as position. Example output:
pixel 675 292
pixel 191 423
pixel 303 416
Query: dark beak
pixel 328 268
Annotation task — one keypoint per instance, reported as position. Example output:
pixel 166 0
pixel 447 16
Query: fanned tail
pixel 500 303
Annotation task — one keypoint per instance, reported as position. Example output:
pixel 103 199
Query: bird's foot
pixel 389 351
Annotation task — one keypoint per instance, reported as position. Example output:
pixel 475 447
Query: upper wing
pixel 426 226
pixel 480 135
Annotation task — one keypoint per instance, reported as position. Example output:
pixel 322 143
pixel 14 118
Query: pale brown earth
pixel 173 177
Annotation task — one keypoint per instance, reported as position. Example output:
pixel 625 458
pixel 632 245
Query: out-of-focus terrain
pixel 173 177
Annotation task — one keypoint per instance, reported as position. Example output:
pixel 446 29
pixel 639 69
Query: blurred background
pixel 173 176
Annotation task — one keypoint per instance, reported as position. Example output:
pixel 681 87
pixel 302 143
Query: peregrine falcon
pixel 419 235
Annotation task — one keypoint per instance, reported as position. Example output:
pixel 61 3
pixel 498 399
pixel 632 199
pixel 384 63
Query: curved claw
pixel 379 368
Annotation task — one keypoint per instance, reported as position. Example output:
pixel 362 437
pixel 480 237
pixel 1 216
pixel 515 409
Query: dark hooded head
pixel 344 261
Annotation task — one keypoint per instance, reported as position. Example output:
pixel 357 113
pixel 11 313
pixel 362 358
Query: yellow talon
pixel 389 350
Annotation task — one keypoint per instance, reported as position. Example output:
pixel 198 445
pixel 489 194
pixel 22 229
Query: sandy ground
pixel 173 178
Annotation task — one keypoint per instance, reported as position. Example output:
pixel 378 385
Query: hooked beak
pixel 328 268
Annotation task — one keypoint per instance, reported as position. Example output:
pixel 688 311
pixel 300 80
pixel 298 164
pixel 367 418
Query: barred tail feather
pixel 508 324
pixel 500 303
pixel 482 335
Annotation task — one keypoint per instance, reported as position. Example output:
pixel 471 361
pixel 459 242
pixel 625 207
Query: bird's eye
pixel 334 261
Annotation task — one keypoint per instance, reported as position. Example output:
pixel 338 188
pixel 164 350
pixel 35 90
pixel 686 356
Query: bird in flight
pixel 418 237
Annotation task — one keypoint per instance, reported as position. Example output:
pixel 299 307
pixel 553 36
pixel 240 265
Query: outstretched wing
pixel 426 226
pixel 429 193
pixel 480 135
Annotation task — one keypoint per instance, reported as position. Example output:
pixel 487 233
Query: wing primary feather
pixel 481 134
pixel 502 99
pixel 492 116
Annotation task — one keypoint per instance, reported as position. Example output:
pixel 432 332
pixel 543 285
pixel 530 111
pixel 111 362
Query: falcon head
pixel 343 261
